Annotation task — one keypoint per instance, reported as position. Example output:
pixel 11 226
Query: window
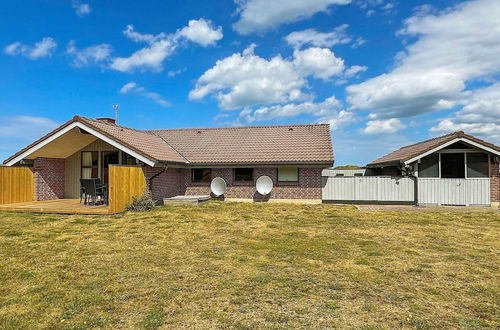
pixel 453 165
pixel 288 174
pixel 429 166
pixel 243 174
pixel 358 174
pixel 128 160
pixel 90 164
pixel 339 174
pixel 201 175
pixel 477 165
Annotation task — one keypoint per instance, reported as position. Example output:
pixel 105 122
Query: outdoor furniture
pixel 93 189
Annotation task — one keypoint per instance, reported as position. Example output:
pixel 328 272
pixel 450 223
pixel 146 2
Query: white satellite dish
pixel 264 185
pixel 218 186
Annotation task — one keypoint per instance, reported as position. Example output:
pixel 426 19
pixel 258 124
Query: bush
pixel 141 204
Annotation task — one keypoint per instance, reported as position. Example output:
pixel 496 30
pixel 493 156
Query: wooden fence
pixel 16 185
pixel 125 182
pixel 369 189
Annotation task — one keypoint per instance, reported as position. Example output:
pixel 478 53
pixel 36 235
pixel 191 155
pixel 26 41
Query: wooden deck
pixel 58 206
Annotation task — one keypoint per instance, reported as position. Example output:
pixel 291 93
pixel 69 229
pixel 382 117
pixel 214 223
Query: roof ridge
pixel 231 127
pixel 431 139
pixel 171 147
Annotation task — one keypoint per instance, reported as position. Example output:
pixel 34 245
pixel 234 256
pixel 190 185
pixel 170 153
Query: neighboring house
pixel 345 172
pixel 454 169
pixel 181 161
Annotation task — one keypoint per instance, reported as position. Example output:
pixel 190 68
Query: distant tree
pixel 346 167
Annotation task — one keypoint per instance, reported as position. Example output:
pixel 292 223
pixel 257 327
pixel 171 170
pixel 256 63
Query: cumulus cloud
pixel 161 46
pixel 43 48
pixel 321 63
pixel 383 126
pixel 133 87
pixel 201 32
pixel 262 15
pixel 89 56
pixel 453 47
pixel 81 9
pixel 312 37
pixel 480 115
pixel 245 79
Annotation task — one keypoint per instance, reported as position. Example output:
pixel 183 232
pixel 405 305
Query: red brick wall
pixel 49 178
pixel 177 181
pixel 164 182
pixel 495 182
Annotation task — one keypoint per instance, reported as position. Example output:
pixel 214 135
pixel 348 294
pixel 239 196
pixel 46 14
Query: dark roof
pixel 406 153
pixel 290 144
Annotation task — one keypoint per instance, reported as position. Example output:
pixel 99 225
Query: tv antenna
pixel 116 107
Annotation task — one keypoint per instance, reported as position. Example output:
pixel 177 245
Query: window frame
pixel 243 168
pixel 289 181
pixel 201 181
pixel 92 167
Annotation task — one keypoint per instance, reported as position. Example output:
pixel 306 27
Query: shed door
pixel 453 191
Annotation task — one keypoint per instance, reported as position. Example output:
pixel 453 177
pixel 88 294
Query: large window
pixel 90 164
pixel 243 174
pixel 201 175
pixel 453 165
pixel 429 166
pixel 477 165
pixel 288 174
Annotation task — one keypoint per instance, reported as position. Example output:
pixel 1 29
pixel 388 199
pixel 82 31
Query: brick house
pixel 181 161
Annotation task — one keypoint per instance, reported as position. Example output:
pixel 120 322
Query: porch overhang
pixel 68 140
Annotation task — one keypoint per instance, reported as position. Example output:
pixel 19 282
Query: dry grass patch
pixel 250 266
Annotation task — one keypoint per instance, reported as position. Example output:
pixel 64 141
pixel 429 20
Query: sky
pixel 382 73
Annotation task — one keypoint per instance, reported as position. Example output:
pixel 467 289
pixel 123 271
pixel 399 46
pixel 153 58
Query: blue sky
pixel 383 73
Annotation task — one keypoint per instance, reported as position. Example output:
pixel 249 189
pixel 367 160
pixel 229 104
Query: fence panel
pixel 369 188
pixel 473 191
pixel 16 185
pixel 125 182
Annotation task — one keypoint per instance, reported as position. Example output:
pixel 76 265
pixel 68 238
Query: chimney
pixel 106 120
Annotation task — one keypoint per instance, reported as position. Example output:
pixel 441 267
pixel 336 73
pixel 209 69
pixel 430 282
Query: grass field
pixel 250 266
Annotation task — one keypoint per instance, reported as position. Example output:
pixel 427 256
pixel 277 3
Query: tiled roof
pixel 148 145
pixel 291 144
pixel 414 150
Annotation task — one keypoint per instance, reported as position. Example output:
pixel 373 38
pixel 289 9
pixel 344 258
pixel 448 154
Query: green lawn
pixel 250 266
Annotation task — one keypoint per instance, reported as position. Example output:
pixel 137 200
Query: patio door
pixel 108 158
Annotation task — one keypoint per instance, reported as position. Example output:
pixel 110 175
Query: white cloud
pixel 43 48
pixel 479 116
pixel 135 36
pixel 202 32
pixel 162 45
pixel 25 127
pixel 173 73
pixel 148 58
pixel 133 87
pixel 245 79
pixel 81 9
pixel 453 47
pixel 89 56
pixel 354 70
pixel 312 37
pixel 383 126
pixel 318 62
pixel 261 15
pixel 291 110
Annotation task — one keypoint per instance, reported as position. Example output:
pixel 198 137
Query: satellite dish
pixel 218 186
pixel 264 185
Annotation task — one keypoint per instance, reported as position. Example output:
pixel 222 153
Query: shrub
pixel 141 204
